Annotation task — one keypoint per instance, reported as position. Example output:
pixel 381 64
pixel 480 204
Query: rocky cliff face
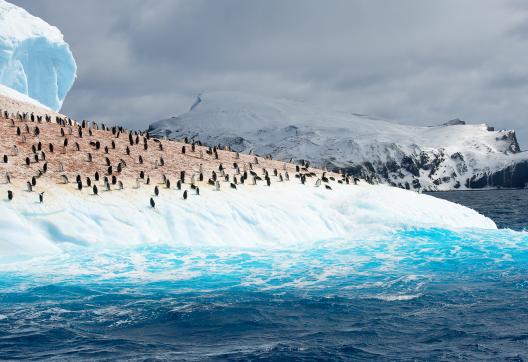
pixel 454 155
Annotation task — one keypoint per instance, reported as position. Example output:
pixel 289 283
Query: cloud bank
pixel 416 62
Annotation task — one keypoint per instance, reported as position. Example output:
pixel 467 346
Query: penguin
pixel 78 178
pixel 148 180
pixel 45 167
pixel 33 181
pixel 167 183
pixel 182 176
pixel 156 190
pixel 120 185
pixel 233 186
pixel 114 180
pixel 140 160
pixel 328 187
pixel 5 159
pixel 183 150
pixel 152 203
pixel 41 197
pixel 107 185
pixel 29 188
pixel 318 182
pixel 88 182
pixel 178 185
pixel 185 195
pixel 142 174
pixel 50 147
pixel 9 195
pixel 268 181
pixel 197 191
pixel 27 161
pixel 94 189
pixel 79 186
pixel 96 176
pixel 64 179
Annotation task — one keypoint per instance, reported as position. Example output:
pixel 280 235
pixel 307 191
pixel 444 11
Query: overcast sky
pixel 417 62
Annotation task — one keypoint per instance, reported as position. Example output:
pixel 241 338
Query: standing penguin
pixel 156 190
pixel 152 203
pixel 95 191
pixel 9 195
pixel 41 197
pixel 185 195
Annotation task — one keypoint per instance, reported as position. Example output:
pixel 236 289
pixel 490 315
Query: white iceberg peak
pixel 34 59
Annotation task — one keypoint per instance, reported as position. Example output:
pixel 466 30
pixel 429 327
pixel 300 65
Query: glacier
pixel 285 216
pixel 454 155
pixel 34 58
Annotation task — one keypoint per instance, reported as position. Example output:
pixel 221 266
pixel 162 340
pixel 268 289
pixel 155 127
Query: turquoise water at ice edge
pixel 424 294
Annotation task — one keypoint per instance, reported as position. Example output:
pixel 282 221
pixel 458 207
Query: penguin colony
pixel 93 158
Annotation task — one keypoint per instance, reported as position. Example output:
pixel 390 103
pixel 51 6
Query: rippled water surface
pixel 427 294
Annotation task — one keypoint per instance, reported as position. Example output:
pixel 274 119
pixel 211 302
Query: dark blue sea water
pixel 422 294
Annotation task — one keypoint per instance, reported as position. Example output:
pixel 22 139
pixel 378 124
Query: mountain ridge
pixel 453 155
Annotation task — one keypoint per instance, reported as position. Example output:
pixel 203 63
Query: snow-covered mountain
pixel 453 155
pixel 34 59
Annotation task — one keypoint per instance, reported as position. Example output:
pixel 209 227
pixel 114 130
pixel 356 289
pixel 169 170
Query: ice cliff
pixel 34 59
pixel 251 217
pixel 453 155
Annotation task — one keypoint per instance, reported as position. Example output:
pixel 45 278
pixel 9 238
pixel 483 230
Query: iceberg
pixel 253 217
pixel 34 58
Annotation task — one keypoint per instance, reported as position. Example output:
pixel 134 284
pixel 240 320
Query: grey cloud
pixel 414 61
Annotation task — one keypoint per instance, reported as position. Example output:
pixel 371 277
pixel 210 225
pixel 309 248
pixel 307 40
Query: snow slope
pixel 34 59
pixel 19 97
pixel 252 217
pixel 453 155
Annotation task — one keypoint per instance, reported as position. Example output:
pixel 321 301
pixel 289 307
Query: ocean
pixel 419 294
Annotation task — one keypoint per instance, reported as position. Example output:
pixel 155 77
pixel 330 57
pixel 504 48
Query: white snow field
pixel 34 59
pixel 440 157
pixel 283 215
